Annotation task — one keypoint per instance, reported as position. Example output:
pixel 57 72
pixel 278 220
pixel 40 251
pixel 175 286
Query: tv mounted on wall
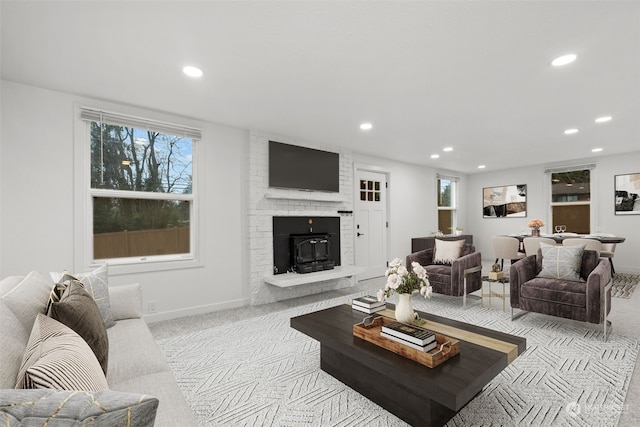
pixel 301 168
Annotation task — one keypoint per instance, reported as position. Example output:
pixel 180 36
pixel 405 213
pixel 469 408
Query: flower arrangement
pixel 401 281
pixel 535 224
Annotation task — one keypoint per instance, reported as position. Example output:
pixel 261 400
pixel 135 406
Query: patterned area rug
pixel 624 284
pixel 262 372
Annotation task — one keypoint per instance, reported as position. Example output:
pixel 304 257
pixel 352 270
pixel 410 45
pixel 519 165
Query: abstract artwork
pixel 627 196
pixel 504 201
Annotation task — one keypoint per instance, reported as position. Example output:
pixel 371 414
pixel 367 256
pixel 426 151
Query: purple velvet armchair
pixel 588 301
pixel 449 279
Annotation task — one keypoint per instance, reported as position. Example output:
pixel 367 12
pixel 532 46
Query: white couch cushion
pixel 27 297
pixel 14 342
pixel 126 301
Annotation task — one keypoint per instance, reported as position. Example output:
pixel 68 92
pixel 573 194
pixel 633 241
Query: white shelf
pixel 316 196
pixel 287 280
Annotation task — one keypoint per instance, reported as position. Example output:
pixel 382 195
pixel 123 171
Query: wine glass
pixel 563 228
pixel 558 228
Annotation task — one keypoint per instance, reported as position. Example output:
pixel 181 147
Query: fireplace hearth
pixel 305 244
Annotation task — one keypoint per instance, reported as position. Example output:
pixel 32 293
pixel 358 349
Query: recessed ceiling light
pixel 435 156
pixel 596 150
pixel 570 131
pixel 482 166
pixel 366 126
pixel 192 71
pixel 603 119
pixel 447 149
pixel 564 60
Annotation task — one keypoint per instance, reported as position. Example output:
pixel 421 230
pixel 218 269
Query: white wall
pixel 36 184
pixel 627 255
pixel 412 201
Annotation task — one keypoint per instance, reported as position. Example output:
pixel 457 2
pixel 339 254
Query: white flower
pixel 425 291
pixel 402 271
pixel 419 270
pixel 380 295
pixel 393 281
pixel 397 262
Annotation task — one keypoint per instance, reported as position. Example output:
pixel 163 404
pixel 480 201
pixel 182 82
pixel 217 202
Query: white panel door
pixel 371 223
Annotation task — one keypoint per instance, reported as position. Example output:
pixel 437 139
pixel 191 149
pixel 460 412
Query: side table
pixel 502 295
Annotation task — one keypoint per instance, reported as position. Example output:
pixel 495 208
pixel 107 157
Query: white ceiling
pixel 471 75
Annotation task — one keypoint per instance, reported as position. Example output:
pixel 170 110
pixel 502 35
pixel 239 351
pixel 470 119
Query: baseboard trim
pixel 193 311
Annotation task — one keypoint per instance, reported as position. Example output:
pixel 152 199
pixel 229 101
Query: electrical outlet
pixel 153 306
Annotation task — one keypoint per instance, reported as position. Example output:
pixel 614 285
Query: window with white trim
pixel 141 191
pixel 447 203
pixel 571 199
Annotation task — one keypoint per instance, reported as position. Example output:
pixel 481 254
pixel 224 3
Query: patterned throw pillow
pixel 561 262
pixel 79 311
pixel 447 251
pixel 59 288
pixel 57 357
pixel 97 284
pixel 76 408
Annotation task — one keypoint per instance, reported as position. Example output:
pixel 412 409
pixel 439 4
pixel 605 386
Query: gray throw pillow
pixel 79 311
pixel 27 408
pixel 97 284
pixel 561 262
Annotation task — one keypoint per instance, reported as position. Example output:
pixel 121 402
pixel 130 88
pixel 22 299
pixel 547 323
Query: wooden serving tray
pixel 446 349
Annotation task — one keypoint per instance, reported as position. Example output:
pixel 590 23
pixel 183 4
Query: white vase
pixel 404 310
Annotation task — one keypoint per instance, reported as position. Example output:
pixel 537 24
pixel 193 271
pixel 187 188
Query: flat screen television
pixel 301 168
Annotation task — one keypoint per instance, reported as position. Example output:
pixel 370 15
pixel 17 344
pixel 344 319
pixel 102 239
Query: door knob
pixel 360 234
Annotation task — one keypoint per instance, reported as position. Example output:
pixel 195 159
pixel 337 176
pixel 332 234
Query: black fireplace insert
pixel 305 244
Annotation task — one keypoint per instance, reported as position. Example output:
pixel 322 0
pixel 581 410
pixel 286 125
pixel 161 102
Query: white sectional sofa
pixel 141 385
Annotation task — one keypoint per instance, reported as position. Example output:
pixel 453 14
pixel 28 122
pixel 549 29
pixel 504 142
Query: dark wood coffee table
pixel 415 393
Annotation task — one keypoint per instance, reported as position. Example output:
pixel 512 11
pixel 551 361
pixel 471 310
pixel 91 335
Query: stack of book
pixel 412 336
pixel 368 304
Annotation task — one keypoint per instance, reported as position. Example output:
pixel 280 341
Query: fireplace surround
pixel 304 244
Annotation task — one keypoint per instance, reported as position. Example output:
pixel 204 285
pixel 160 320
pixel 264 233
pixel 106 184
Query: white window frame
pixel 83 203
pixel 454 201
pixel 593 195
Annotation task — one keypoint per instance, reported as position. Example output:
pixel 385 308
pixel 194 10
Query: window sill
pixel 116 269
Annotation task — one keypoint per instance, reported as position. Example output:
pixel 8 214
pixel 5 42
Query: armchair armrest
pixel 596 282
pixel 519 273
pixel 474 280
pixel 424 257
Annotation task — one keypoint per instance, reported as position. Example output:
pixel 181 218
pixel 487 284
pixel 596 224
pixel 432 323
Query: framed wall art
pixel 505 201
pixel 627 198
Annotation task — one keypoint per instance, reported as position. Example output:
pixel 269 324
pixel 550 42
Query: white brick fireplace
pixel 265 203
